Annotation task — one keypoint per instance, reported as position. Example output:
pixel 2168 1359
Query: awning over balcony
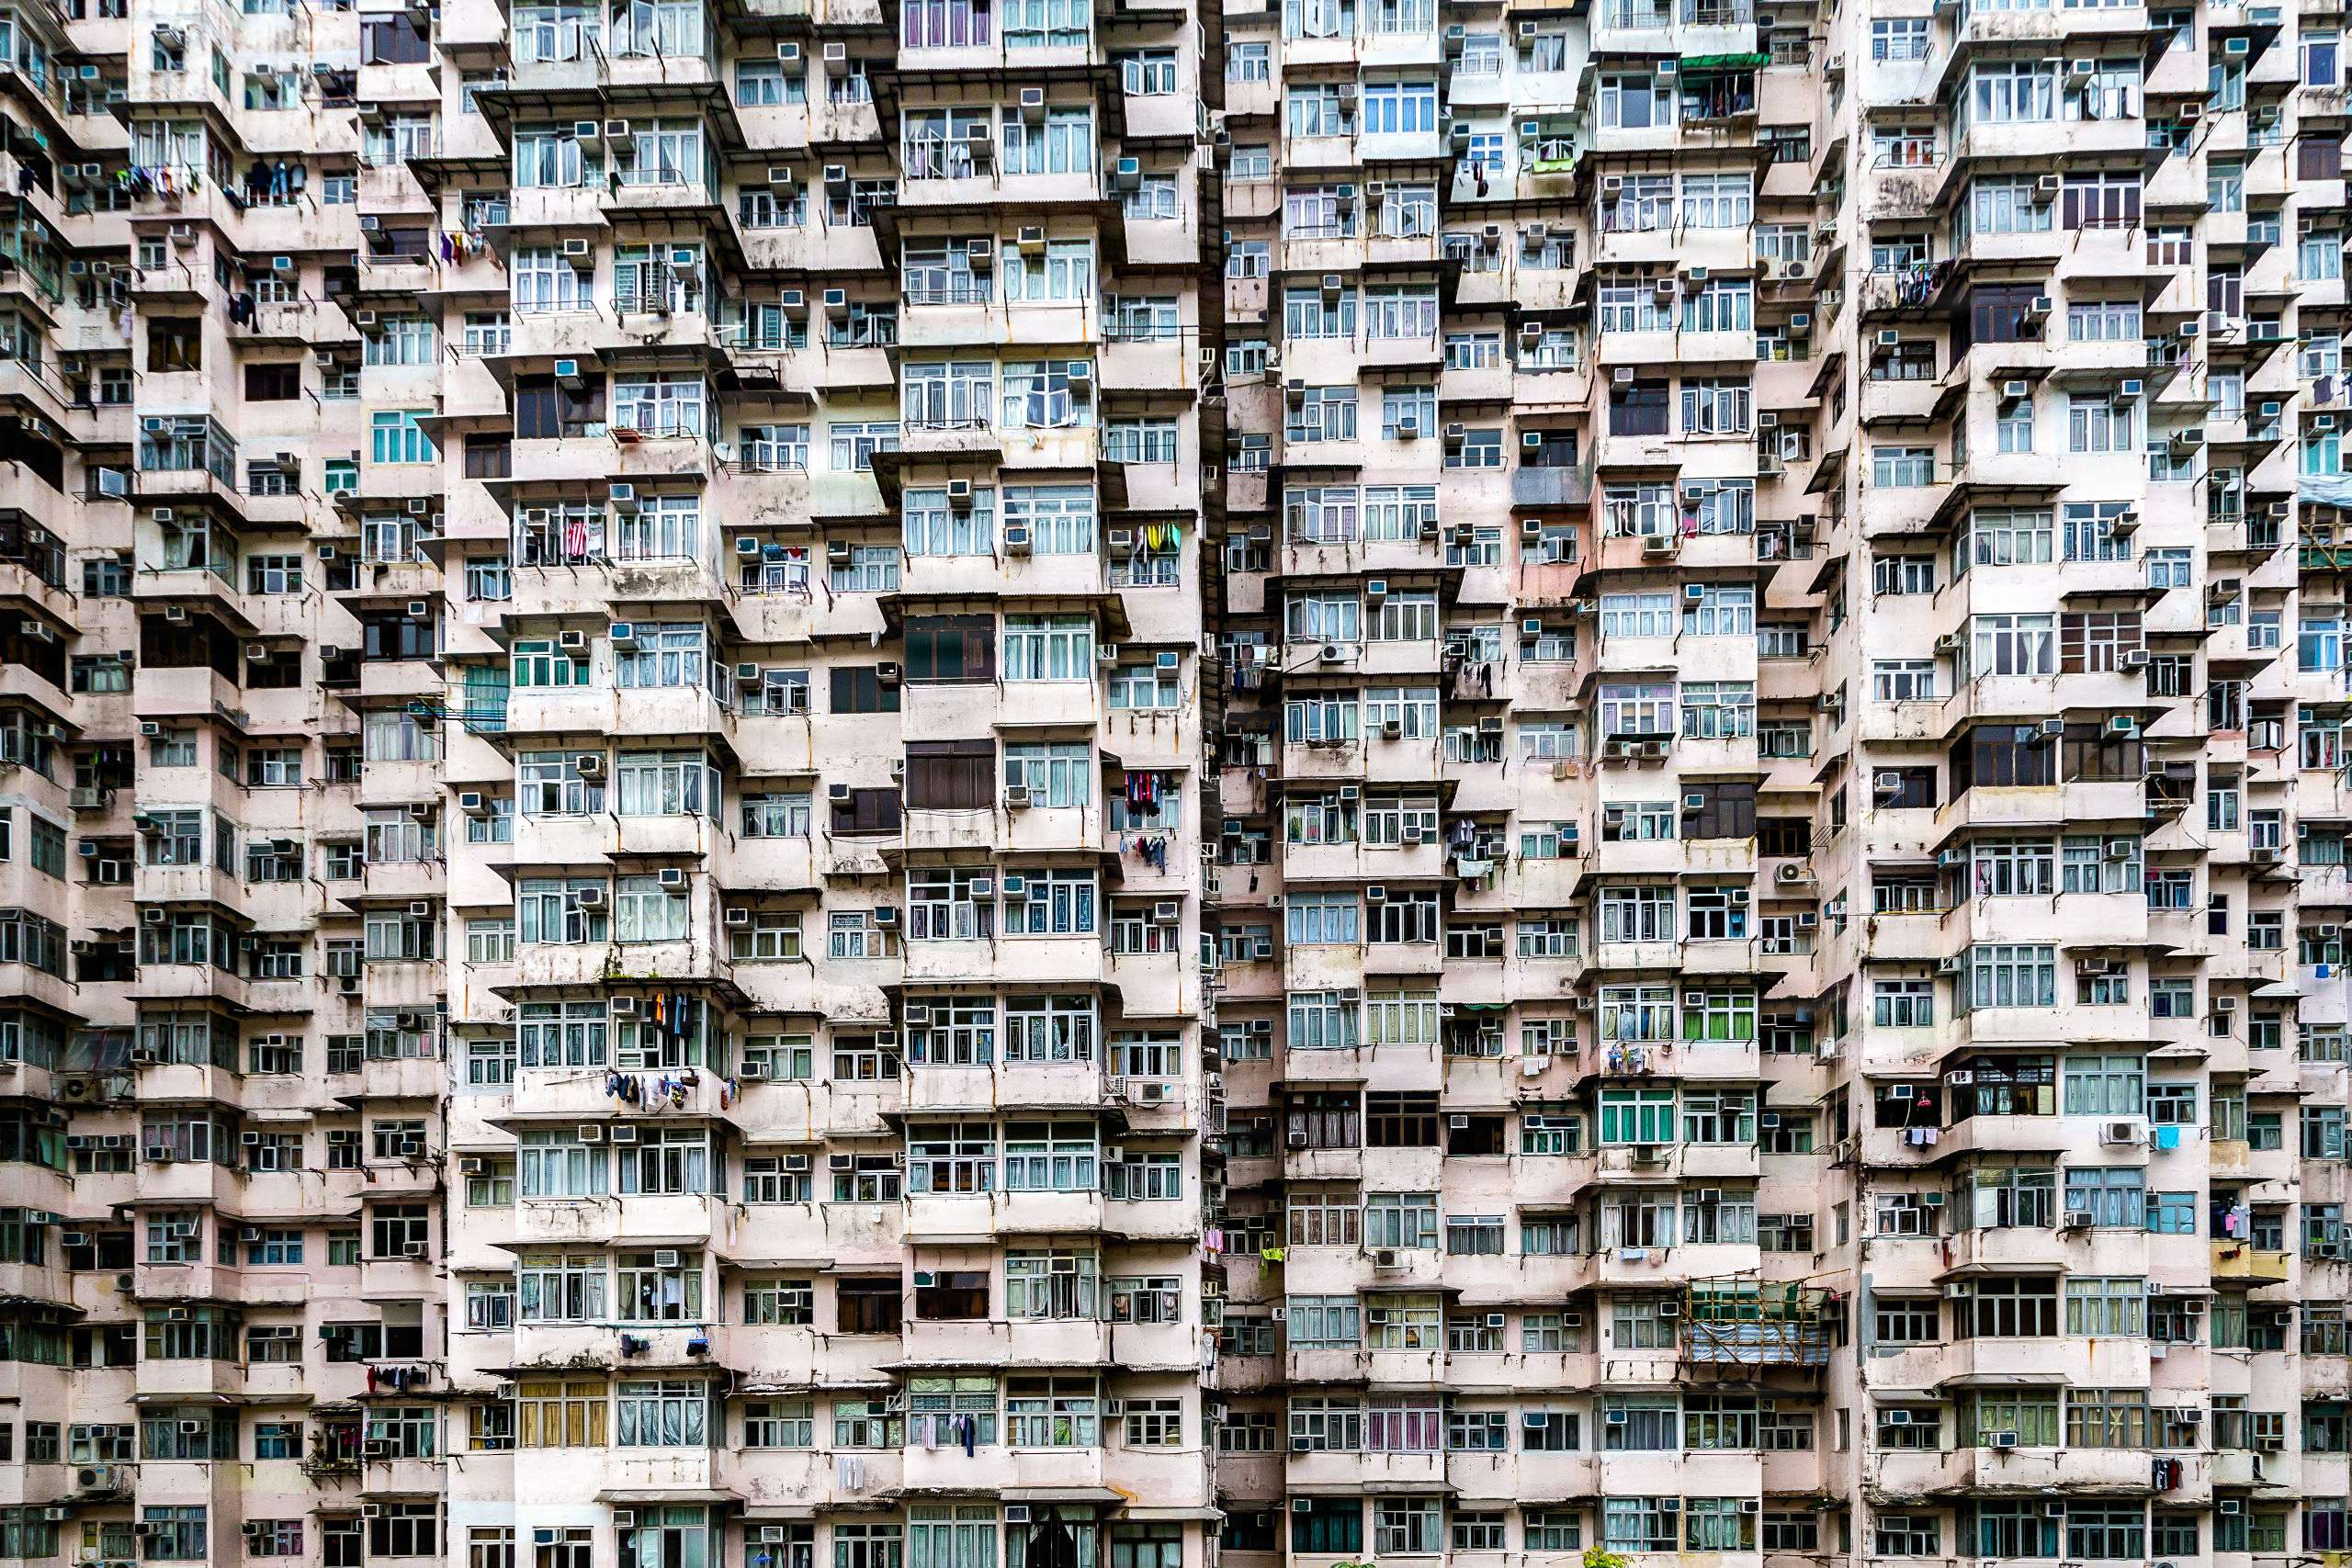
pixel 1696 63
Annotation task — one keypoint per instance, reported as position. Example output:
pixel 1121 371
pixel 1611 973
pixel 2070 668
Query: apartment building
pixel 1105 788
pixel 604 783
pixel 1781 973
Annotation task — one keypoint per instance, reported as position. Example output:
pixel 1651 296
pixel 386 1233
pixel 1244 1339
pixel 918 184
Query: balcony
pixel 1899 1475
pixel 690 961
pixel 681 1220
pixel 2255 1266
pixel 1982 26
pixel 1043 960
pixel 174 1381
pixel 1551 486
pixel 2014 1248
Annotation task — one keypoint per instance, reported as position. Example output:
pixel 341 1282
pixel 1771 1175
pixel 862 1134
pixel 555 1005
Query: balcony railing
pixel 957 288
pixel 765 457
pixel 482 717
pixel 35 549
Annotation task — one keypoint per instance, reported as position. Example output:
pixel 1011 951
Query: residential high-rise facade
pixel 944 785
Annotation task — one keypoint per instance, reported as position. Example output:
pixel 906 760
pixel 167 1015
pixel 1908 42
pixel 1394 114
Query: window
pixel 1895 468
pixel 395 437
pixel 1322 918
pixel 1901 38
pixel 2107 1307
pixel 2005 974
pixel 2101 424
pixel 1637 1116
pixel 405 1529
pixel 661 1413
pixel 1408 1526
pixel 560 1415
pixel 953 775
pixel 2103 1086
pixel 1328 1525
pixel 1048 647
pixel 664 784
pixel 1400 1220
pixel 659 655
pixel 170 1534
